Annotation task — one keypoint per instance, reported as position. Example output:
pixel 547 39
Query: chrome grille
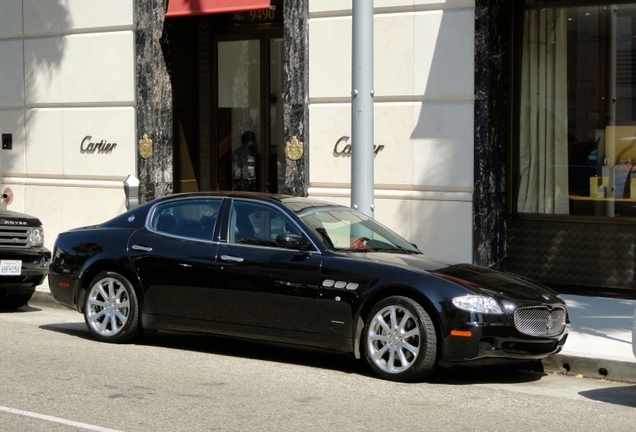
pixel 540 321
pixel 14 236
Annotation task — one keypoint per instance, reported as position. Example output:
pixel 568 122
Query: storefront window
pixel 577 112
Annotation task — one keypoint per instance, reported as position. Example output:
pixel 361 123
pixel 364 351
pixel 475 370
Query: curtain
pixel 543 144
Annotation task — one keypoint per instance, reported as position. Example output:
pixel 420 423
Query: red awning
pixel 177 8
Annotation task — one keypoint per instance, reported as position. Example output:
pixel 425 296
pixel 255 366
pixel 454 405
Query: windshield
pixel 344 229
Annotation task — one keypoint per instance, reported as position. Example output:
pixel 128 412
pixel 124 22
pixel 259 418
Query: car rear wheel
pixel 400 341
pixel 111 310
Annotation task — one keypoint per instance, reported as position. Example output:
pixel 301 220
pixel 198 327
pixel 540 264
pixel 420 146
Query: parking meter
pixel 131 189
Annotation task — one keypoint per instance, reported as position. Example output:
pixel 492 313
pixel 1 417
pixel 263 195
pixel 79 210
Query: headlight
pixel 477 303
pixel 36 236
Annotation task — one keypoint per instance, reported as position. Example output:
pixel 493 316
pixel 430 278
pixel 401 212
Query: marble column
pixel 205 69
pixel 296 78
pixel 154 99
pixel 492 23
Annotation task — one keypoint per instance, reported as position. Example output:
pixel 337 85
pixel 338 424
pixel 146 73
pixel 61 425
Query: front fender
pixel 429 297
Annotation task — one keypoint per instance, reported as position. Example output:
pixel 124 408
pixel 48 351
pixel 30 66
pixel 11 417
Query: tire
pixel 111 309
pixel 14 301
pixel 400 342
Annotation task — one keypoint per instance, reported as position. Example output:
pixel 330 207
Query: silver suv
pixel 24 261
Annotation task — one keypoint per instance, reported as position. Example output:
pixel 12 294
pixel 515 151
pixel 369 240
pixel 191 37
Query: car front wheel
pixel 111 309
pixel 400 342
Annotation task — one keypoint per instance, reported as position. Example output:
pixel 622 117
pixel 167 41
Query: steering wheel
pixel 360 244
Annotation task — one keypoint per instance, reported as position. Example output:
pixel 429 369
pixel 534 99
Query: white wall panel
pixel 12 161
pixel 43 70
pixel 80 69
pixel 10 18
pixel 329 5
pixel 111 125
pixel 443 63
pixel 442 141
pixel 443 228
pixel 439 228
pixel 394 164
pixel 44 142
pixel 11 73
pixel 330 58
pixel 99 68
pixel 63 16
pixel 328 124
pixel 85 206
pixel 393 54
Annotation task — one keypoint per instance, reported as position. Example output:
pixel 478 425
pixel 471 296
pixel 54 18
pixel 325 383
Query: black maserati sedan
pixel 298 271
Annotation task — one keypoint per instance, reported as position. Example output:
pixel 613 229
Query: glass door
pixel 249 115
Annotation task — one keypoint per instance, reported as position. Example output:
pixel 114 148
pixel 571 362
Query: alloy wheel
pixel 108 307
pixel 393 339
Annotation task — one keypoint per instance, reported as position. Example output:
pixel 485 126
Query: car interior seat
pixel 167 223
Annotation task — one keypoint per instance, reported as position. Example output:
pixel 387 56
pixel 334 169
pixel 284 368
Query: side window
pixel 193 218
pixel 257 224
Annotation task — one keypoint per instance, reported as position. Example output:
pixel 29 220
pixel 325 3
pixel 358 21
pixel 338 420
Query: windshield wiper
pixel 397 249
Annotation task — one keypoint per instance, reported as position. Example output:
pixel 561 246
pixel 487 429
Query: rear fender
pixel 106 265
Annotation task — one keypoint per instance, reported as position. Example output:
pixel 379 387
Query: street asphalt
pixel 599 344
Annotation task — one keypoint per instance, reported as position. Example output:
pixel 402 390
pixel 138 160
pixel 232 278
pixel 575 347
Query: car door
pixel 175 258
pixel 261 285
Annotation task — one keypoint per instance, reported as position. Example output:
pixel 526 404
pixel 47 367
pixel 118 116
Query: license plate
pixel 10 267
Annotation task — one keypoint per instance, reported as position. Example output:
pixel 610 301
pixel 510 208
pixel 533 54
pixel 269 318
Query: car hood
pixel 480 280
pixel 9 217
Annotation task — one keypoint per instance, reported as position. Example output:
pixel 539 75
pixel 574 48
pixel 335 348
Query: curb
pixel 587 367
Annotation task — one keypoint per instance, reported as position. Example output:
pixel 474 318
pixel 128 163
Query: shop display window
pixel 576 145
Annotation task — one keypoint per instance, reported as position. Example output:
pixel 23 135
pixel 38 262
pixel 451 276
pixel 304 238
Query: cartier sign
pixel 343 147
pixel 101 147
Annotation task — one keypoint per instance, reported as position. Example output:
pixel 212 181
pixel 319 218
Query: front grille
pixel 14 236
pixel 540 321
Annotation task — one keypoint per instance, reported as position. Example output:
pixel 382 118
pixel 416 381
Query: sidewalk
pixel 600 340
pixel 599 344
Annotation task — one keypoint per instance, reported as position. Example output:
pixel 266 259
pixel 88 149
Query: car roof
pixel 295 203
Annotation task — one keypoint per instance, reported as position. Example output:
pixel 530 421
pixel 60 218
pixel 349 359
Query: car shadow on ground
pixel 499 374
pixel 71 328
pixel 306 356
pixel 23 309
pixel 624 395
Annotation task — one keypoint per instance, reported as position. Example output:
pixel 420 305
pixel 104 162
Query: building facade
pixel 212 94
pixel 67 108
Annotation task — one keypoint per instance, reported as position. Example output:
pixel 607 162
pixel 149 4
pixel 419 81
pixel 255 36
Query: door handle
pixel 231 258
pixel 141 248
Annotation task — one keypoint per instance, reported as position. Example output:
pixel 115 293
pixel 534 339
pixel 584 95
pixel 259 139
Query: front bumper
pixel 499 350
pixel 496 340
pixel 35 266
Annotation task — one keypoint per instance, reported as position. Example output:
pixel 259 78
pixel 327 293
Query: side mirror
pixel 291 241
